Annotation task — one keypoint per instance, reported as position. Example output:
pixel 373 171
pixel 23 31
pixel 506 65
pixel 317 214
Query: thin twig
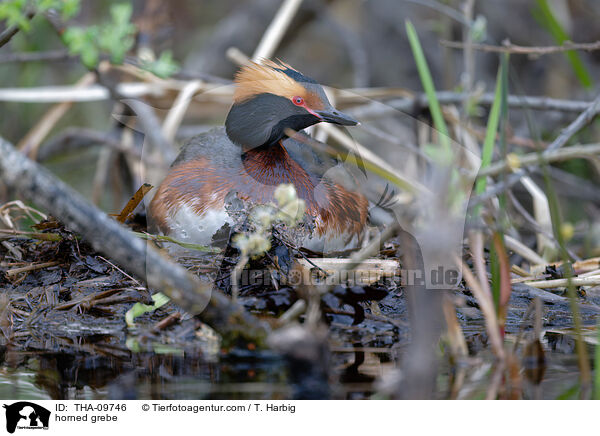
pixel 9 234
pixel 75 138
pixel 410 104
pixel 581 121
pixel 151 127
pixel 556 155
pixel 487 307
pixel 508 47
pixel 541 211
pixel 272 36
pixel 476 244
pixel 103 166
pixel 8 34
pixel 372 248
pixel 479 133
pixel 32 267
pixel 179 108
pixel 562 283
pixel 566 134
pixel 119 269
pixel 32 140
pixel 163 238
pixel 468 55
pixel 456 337
pixel 237 56
pixel 523 250
pixel 148 121
pixel 70 93
pixel 297 309
pixel 37 56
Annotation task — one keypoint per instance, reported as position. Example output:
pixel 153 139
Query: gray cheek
pixel 252 123
pixel 250 126
pixel 248 132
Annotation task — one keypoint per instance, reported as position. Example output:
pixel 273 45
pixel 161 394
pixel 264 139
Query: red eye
pixel 298 101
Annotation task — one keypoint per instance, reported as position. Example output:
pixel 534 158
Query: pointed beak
pixel 336 117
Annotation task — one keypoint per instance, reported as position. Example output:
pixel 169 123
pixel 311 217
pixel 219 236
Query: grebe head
pixel 271 97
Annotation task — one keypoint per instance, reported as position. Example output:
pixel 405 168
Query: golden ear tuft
pixel 254 78
pixel 277 63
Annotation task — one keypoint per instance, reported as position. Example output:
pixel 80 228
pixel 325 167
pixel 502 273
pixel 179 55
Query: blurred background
pixel 343 44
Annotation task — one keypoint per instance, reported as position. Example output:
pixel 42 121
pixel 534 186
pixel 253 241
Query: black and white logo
pixel 26 415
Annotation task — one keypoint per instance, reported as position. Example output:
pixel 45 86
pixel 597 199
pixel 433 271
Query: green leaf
pixel 139 309
pixel 121 13
pixel 116 37
pixel 66 8
pixel 90 57
pixel 133 344
pixel 490 132
pixel 570 393
pixel 478 30
pixel 14 12
pixel 82 42
pixel 546 17
pixel 442 157
pixel 428 86
pixel 69 9
pixel 162 67
pixel 44 5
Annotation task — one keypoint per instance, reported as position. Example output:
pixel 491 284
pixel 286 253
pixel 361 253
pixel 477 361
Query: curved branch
pixel 36 184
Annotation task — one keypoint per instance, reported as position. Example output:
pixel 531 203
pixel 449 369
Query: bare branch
pixel 272 36
pixel 38 56
pixel 507 47
pixel 409 105
pixel 572 152
pixel 582 120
